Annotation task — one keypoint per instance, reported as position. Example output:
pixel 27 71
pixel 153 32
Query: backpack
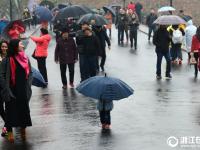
pixel 177 36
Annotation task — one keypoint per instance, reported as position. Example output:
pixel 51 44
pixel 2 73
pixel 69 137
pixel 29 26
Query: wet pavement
pixel 66 120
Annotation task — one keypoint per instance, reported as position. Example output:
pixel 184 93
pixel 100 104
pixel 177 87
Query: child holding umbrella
pixel 104 107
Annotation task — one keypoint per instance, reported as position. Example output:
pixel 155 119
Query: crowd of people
pixel 88 46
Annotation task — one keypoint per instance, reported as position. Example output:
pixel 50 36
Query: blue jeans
pixel 121 35
pixel 176 52
pixel 151 29
pixel 159 62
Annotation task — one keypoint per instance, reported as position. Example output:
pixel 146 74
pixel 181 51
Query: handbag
pixel 192 60
pixel 33 55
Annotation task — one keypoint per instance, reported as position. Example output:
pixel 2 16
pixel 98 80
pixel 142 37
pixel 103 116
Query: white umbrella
pixel 169 20
pixel 166 8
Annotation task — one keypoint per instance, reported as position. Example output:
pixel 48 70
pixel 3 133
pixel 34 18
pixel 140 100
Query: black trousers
pixel 63 69
pixel 103 57
pixel 42 67
pixel 196 56
pixel 2 111
pixel 105 117
pixel 133 36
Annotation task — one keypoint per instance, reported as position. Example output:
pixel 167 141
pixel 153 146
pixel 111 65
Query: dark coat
pixel 150 19
pixel 103 38
pixel 66 51
pixel 18 96
pixel 161 40
pixel 91 45
pixel 121 21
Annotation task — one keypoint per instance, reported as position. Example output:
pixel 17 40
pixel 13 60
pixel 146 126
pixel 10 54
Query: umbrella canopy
pixel 116 6
pixel 72 11
pixel 55 9
pixel 43 14
pixel 99 19
pixel 38 80
pixel 106 8
pixel 106 88
pixel 169 20
pixel 166 8
pixel 47 4
pixel 61 6
pixel 5 33
pixel 187 18
pixel 3 24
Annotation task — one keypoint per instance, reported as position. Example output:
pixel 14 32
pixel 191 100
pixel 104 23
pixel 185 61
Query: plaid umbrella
pixel 169 20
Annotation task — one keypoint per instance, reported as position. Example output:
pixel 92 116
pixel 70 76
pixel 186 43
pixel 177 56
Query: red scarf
pixel 22 59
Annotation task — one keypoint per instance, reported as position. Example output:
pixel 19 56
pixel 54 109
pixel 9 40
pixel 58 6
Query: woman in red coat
pixel 196 50
pixel 41 51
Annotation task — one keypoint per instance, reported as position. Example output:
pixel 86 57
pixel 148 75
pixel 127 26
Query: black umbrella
pixel 107 8
pixel 47 4
pixel 72 11
pixel 61 6
pixel 9 26
pixel 55 9
pixel 99 19
pixel 115 5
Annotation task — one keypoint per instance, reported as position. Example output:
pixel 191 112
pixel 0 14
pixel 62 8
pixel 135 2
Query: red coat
pixel 195 44
pixel 131 6
pixel 42 44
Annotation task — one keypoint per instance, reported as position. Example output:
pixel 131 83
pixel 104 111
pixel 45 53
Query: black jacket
pixel 5 75
pixel 103 37
pixel 150 19
pixel 91 45
pixel 161 40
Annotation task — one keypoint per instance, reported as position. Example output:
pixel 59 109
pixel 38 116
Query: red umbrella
pixel 13 30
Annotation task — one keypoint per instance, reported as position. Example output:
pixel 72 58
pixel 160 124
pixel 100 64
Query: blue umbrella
pixel 3 24
pixel 43 14
pixel 38 80
pixel 106 88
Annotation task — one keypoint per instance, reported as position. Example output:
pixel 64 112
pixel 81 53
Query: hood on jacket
pixel 189 23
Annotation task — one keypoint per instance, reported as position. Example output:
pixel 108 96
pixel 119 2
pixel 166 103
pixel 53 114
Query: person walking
pixel 177 33
pixel 190 31
pixel 133 24
pixel 41 51
pixel 88 57
pixel 162 40
pixel 105 107
pixel 3 53
pixel 27 18
pixel 80 47
pixel 103 39
pixel 16 81
pixel 120 23
pixel 149 21
pixel 67 55
pixel 138 10
pixel 195 48
pixel 109 17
